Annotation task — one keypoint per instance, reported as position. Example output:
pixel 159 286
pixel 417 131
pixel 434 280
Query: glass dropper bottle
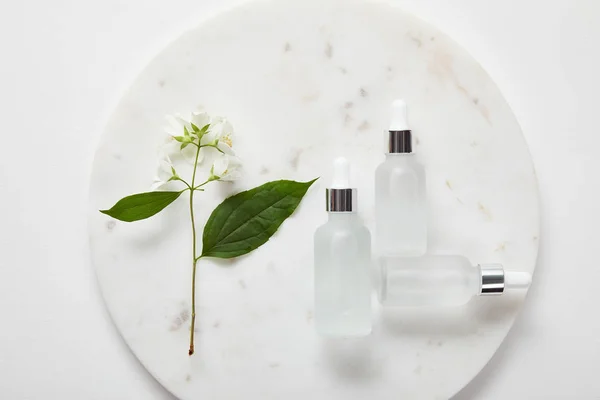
pixel 442 280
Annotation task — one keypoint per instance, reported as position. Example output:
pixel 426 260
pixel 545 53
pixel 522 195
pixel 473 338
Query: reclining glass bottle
pixel 400 201
pixel 342 251
pixel 442 280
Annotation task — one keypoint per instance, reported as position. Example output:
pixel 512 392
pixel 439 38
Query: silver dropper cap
pixel 340 197
pixel 399 137
pixel 399 142
pixel 341 200
pixel 492 279
pixel 495 280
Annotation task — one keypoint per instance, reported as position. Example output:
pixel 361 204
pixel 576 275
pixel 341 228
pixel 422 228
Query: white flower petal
pixel 226 128
pixel 169 146
pixel 164 172
pixel 165 161
pixel 157 184
pixel 165 168
pixel 200 119
pixel 231 176
pixel 220 166
pixel 176 124
pixel 173 129
pixel 220 127
pixel 225 148
pixel 215 121
pixel 208 138
pixel 182 121
pixel 227 168
pixel 218 134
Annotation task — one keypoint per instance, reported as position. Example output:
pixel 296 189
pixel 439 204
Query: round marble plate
pixel 304 81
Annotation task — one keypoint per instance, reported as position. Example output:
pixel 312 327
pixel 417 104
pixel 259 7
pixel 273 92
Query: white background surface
pixel 64 65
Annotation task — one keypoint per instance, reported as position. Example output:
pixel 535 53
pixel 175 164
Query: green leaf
pixel 247 220
pixel 185 132
pixel 141 206
pixel 203 130
pixel 184 145
pixel 180 139
pixel 194 127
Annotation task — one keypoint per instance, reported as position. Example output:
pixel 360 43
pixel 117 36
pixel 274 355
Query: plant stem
pixel 202 184
pixel 184 182
pixel 209 145
pixel 194 255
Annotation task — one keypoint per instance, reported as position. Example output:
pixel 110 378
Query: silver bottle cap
pixel 341 200
pixel 399 142
pixel 492 279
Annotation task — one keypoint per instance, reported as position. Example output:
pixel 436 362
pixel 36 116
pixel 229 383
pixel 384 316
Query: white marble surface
pixel 310 80
pixel 69 64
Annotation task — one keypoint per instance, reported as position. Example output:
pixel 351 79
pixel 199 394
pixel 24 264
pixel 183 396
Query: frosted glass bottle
pixel 400 193
pixel 342 256
pixel 442 280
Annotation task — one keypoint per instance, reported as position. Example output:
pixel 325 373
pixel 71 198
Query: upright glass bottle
pixel 342 251
pixel 442 280
pixel 400 200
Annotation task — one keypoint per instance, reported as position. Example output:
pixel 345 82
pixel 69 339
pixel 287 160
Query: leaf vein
pixel 247 221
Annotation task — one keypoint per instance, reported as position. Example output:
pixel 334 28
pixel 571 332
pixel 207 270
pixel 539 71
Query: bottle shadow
pixel 462 320
pixel 356 360
pixel 351 359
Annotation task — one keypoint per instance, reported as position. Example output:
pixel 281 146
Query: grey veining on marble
pixel 304 81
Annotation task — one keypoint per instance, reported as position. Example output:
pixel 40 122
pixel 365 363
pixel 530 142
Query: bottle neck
pixel 341 216
pixel 398 155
